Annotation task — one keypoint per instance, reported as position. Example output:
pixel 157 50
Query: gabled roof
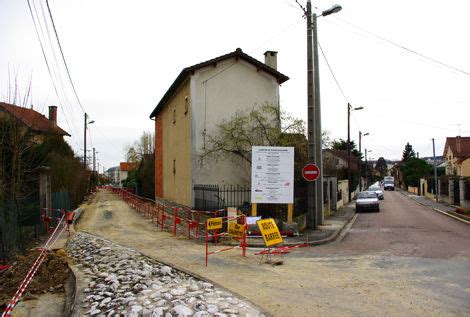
pixel 458 151
pixel 32 119
pixel 126 166
pixel 238 54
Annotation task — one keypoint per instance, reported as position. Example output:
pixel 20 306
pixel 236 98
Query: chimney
pixel 270 59
pixel 458 145
pixel 53 115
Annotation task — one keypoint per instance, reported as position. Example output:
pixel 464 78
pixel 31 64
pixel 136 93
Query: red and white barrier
pixel 216 235
pixel 32 271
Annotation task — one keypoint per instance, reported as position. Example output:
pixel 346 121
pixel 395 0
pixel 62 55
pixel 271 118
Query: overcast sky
pixel 124 55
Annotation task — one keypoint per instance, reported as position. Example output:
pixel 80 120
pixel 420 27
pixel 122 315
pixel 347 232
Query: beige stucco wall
pixel 343 185
pixel 176 145
pixel 217 93
pixel 464 168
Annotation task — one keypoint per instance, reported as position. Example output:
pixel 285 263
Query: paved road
pixel 391 263
pixel 405 228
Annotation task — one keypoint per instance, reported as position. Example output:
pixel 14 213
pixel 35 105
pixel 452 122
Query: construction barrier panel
pixel 236 228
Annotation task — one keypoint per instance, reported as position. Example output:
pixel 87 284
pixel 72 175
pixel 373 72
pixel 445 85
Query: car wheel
pixel 378 209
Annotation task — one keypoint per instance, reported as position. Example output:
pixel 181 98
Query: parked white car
pixel 367 201
pixel 376 188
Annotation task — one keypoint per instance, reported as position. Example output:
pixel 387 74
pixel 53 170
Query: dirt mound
pixel 50 277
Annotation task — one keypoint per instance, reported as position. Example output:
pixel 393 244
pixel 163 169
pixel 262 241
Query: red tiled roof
pixel 32 119
pixel 463 150
pixel 126 166
pixel 238 54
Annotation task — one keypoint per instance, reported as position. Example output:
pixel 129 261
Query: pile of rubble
pixel 125 282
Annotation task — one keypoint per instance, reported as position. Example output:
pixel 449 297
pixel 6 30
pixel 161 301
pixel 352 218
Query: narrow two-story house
pixel 201 98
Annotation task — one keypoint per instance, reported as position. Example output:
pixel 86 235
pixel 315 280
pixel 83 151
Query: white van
pixel 389 183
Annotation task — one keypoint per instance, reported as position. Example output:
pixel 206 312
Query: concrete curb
pixel 452 216
pixel 332 237
pixel 435 209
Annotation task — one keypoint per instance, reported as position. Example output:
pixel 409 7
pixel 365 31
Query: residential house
pixel 201 98
pixel 457 156
pixel 113 175
pixel 334 160
pixel 33 121
pixel 124 169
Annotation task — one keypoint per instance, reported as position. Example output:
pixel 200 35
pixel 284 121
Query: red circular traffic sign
pixel 310 172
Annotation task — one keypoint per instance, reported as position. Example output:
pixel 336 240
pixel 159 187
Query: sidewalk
pixel 326 233
pixel 442 207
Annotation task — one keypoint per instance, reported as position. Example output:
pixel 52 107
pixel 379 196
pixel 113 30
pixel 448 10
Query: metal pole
pixel 436 188
pixel 366 167
pixel 94 160
pixel 317 118
pixel 360 161
pixel 349 153
pixel 311 217
pixel 84 143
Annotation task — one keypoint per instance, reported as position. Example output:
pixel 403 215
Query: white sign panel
pixel 272 175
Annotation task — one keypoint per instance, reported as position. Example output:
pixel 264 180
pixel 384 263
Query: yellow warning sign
pixel 235 229
pixel 214 223
pixel 269 231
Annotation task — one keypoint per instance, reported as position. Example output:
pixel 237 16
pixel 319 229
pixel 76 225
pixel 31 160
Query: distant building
pixel 113 175
pixel 457 156
pixel 124 168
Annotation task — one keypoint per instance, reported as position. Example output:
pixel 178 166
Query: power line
pixel 332 73
pixel 63 57
pixel 47 63
pixel 409 50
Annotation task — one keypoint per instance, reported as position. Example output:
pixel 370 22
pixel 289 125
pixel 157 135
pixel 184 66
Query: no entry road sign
pixel 310 172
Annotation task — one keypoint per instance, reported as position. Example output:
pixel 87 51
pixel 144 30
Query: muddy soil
pixel 50 277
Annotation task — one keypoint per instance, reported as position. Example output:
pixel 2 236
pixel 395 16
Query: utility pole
pixel 311 192
pixel 349 153
pixel 317 126
pixel 436 188
pixel 367 166
pixel 94 160
pixel 84 143
pixel 360 161
pixel 314 133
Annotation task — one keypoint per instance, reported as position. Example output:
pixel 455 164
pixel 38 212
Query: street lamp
pixel 350 108
pixel 314 144
pixel 84 140
pixel 360 154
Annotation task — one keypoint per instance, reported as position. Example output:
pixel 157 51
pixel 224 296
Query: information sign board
pixel 269 231
pixel 214 223
pixel 272 175
pixel 235 229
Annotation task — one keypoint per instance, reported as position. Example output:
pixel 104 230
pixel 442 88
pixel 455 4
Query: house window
pixel 174 167
pixel 174 115
pixel 186 104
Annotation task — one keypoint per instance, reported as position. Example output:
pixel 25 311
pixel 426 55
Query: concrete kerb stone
pixel 333 235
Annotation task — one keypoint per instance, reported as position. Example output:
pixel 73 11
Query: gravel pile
pixel 122 281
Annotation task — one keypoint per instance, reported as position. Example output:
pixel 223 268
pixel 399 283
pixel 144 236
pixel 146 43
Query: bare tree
pixel 262 125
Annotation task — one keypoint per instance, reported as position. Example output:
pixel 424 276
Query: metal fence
pixel 213 197
pixel 467 190
pixel 444 188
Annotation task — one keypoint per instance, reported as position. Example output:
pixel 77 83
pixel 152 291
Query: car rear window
pixel 366 195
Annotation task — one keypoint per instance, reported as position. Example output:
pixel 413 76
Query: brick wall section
pixel 158 156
